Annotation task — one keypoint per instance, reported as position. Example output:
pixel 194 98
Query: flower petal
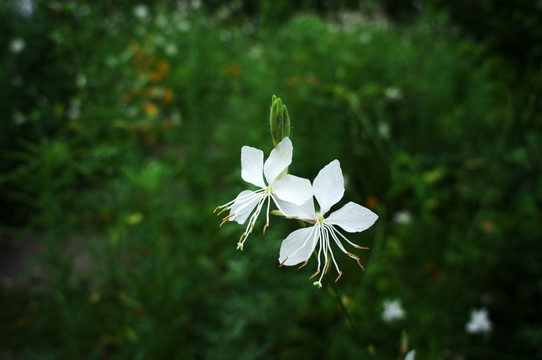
pixel 298 246
pixel 279 159
pixel 302 212
pixel 352 217
pixel 328 186
pixel 243 205
pixel 293 189
pixel 252 166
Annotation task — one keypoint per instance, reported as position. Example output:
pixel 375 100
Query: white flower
pixel 393 93
pixel 17 45
pixel 328 189
pixel 479 322
pixel 281 188
pixel 171 49
pixel 411 355
pixel 141 11
pixel 26 8
pixel 392 311
pixel 403 217
pixel 81 80
pixel 183 25
pixel 384 130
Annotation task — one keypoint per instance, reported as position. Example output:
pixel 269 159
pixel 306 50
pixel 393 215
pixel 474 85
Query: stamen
pixel 316 273
pixel 221 211
pixel 326 267
pixel 302 265
pixel 352 256
pixel 362 247
pixel 338 277
pixel 226 219
pixel 282 263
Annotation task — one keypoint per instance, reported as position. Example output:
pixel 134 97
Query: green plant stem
pixel 341 304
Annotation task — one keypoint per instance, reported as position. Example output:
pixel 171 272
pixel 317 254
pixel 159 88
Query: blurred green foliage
pixel 122 129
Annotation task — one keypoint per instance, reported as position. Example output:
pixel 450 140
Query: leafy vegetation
pixel 122 132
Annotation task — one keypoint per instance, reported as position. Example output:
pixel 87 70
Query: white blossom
pixel 393 93
pixel 141 11
pixel 281 187
pixel 17 45
pixel 392 311
pixel 479 322
pixel 411 355
pixel 298 247
pixel 402 217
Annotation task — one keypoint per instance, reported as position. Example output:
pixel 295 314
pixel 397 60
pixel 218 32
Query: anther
pixel 220 213
pixel 353 256
pixel 359 263
pixel 338 277
pixel 313 275
pixel 305 263
pixel 226 219
pixel 282 263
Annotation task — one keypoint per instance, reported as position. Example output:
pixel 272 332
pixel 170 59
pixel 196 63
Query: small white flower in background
pixel 392 311
pixel 411 355
pixel 74 110
pixel 403 217
pixel 255 52
pixel 298 247
pixel 26 8
pixel 281 188
pixel 81 80
pixel 479 322
pixel 384 130
pixel 196 4
pixel 171 49
pixel 141 11
pixel 184 25
pixel 393 93
pixel 17 45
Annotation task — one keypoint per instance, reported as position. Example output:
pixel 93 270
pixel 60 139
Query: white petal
pixel 279 159
pixel 411 355
pixel 298 246
pixel 328 186
pixel 252 166
pixel 243 205
pixel 302 212
pixel 293 189
pixel 352 217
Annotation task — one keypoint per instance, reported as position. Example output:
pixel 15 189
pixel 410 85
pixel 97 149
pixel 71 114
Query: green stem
pixel 349 317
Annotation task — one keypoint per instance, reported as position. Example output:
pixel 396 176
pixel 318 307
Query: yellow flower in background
pixel 230 69
pixel 150 108
pixel 134 218
pixel 168 95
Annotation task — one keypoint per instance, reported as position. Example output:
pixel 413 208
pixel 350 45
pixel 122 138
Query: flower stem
pixel 341 305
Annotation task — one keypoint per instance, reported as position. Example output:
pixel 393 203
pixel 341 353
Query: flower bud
pixel 279 121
